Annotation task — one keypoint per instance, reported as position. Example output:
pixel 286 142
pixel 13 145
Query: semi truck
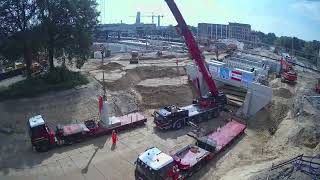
pixel 153 164
pixel 206 106
pixel 44 137
pixel 173 117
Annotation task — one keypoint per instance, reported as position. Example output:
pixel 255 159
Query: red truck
pixel 206 106
pixel 153 164
pixel 43 137
pixel 287 73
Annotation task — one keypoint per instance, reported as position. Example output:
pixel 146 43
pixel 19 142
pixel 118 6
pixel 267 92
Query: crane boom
pixel 193 47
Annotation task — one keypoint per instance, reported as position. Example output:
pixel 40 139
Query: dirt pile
pixel 294 125
pixel 146 87
pixel 155 97
pixel 134 76
pixel 278 112
pixel 125 102
pixel 268 119
pixel 308 136
pixel 282 92
pixel 110 66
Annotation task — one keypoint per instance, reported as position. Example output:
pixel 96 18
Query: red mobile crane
pixel 205 107
pixel 287 72
pixel 215 97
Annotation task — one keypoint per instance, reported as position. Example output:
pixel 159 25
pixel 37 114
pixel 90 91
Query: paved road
pixel 94 158
pixel 9 81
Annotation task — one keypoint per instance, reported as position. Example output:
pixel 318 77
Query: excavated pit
pixel 132 77
pixel 154 97
pixel 146 87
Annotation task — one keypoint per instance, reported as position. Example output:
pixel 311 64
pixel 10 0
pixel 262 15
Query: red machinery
pixel 205 107
pixel 287 72
pixel 154 164
pixel 44 137
pixel 215 97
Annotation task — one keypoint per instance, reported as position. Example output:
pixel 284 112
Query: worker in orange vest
pixel 114 137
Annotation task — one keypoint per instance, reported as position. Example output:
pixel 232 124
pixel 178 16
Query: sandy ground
pixel 284 129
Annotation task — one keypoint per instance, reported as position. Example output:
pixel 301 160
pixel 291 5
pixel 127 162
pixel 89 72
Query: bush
pixel 60 79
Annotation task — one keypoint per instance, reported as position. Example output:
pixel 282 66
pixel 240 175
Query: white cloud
pixel 308 8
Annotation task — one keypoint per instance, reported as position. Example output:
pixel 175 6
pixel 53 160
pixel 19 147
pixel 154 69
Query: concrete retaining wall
pixel 257 97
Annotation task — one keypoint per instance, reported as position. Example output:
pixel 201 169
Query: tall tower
pixel 318 60
pixel 138 17
pixel 159 20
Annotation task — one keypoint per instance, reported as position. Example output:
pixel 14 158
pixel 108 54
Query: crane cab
pixel 40 134
pixel 153 164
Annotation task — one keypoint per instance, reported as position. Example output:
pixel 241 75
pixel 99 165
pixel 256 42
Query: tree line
pixel 299 47
pixel 61 29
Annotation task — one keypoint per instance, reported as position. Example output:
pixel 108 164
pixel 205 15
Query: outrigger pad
pixel 207 143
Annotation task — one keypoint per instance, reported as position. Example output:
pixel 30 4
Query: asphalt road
pixel 94 159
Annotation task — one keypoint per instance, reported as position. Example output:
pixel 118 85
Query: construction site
pixel 180 111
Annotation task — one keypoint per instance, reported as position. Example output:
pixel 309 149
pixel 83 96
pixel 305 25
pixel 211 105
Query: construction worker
pixel 114 137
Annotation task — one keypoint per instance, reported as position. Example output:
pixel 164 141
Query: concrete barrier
pixel 257 97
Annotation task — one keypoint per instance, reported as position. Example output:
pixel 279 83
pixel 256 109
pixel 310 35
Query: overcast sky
pixel 300 18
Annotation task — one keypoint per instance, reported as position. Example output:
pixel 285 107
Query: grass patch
pixel 60 79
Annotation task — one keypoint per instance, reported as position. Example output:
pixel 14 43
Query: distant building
pixel 139 28
pixel 145 28
pixel 117 27
pixel 240 31
pixel 213 31
pixel 221 31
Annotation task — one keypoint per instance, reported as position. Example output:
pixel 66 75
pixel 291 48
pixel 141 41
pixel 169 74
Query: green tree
pixel 17 21
pixel 68 27
pixel 270 38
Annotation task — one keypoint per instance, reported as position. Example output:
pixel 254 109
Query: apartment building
pixel 240 31
pixel 213 31
pixel 221 31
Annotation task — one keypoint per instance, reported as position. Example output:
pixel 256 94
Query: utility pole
pixel 102 63
pixel 318 60
pixel 159 20
pixel 292 46
pixel 152 18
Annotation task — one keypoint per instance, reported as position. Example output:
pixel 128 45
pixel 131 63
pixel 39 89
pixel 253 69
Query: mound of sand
pixel 275 82
pixel 134 76
pixel 125 102
pixel 308 136
pixel 155 97
pixel 282 92
pixel 278 112
pixel 176 81
pixel 110 66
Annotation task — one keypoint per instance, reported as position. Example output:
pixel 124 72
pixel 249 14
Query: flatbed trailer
pixel 154 164
pixel 173 117
pixel 44 138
